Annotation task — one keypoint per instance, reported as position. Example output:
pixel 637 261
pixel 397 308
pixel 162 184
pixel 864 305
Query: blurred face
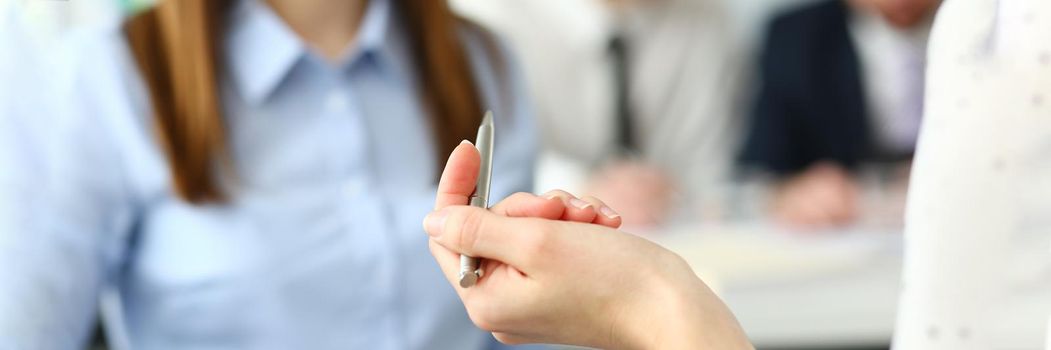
pixel 619 3
pixel 900 13
pixel 624 5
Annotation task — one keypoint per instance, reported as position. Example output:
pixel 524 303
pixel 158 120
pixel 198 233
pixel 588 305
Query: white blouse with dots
pixel 978 237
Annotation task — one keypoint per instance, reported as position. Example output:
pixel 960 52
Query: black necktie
pixel 618 51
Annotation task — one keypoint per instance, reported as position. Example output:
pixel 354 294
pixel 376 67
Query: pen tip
pixel 488 119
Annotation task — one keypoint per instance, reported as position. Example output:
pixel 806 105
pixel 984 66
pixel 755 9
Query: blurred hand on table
pixel 640 192
pixel 823 196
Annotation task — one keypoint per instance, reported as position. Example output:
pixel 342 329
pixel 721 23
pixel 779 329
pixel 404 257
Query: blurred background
pixel 767 141
pixel 777 134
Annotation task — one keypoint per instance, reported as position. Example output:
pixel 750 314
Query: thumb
pixel 480 233
pixel 458 179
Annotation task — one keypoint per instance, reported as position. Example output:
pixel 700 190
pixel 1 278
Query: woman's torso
pixel 319 245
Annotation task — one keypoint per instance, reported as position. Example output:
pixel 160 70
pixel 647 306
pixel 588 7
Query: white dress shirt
pixel 978 225
pixel 683 77
pixel 892 63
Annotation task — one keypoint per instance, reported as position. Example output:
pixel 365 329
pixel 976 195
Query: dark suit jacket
pixel 811 104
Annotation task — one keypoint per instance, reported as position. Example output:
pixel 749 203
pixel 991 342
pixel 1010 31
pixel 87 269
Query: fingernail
pixel 609 212
pixel 434 223
pixel 466 142
pixel 576 202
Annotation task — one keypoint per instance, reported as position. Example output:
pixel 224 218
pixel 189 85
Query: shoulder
pixel 700 22
pixel 486 49
pixel 105 108
pixel 803 33
pixel 804 19
pixel 102 72
pixel 496 69
pixel 962 28
pixel 502 86
pixel 74 81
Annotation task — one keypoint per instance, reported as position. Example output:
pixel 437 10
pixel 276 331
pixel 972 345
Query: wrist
pixel 700 320
pixel 683 313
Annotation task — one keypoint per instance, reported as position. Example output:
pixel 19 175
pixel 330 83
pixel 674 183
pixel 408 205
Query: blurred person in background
pixel 977 267
pixel 633 97
pixel 841 88
pixel 250 175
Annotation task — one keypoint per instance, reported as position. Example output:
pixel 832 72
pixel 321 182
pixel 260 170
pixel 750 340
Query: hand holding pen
pixel 557 271
pixel 470 268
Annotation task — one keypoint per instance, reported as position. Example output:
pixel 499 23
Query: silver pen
pixel 470 271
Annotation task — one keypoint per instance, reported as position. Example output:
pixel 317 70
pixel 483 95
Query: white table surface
pixel 798 289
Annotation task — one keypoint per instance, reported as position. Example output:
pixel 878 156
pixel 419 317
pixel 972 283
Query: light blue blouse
pixel 320 245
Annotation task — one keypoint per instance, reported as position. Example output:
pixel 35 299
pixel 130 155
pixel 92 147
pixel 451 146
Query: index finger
pixel 480 233
pixel 458 180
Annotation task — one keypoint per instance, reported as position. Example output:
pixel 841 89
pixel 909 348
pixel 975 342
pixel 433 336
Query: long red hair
pixel 176 46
